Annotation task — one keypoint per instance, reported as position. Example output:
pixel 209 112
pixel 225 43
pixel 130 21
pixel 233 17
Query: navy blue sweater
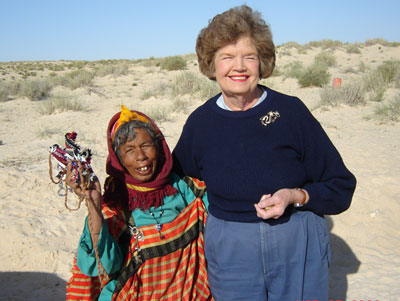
pixel 240 159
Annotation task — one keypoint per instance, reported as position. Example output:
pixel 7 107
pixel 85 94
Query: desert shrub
pixel 290 44
pixel 389 70
pixel 76 79
pixel 378 80
pixel 376 94
pixel 276 72
pixel 159 114
pixel 159 89
pixel 390 111
pixel 397 81
pixel 4 92
pixel 351 94
pixel 208 88
pixel 362 67
pixel 190 83
pixel 185 83
pixel 382 42
pixel 325 44
pixel 326 58
pixel 56 67
pixel 35 89
pixel 14 87
pixel 284 52
pixel 151 62
pixel 113 69
pixel 314 75
pixel 353 48
pixel 77 64
pixel 60 103
pixel 294 69
pixel 173 63
pixel 180 105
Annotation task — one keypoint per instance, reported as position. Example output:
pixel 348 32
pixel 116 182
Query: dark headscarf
pixel 120 187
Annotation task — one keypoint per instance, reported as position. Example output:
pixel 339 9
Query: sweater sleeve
pixel 108 249
pixel 185 163
pixel 330 184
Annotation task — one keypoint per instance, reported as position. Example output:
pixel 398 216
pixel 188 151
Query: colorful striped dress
pixel 164 262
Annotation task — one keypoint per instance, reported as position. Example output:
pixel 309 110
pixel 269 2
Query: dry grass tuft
pixel 60 103
pixel 352 94
pixel 35 89
pixel 171 63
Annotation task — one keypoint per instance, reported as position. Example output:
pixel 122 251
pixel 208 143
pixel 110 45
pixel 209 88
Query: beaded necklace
pixel 158 223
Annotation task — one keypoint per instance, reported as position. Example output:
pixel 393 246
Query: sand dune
pixel 39 236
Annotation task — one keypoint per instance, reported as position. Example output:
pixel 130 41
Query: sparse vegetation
pixel 60 103
pixel 351 94
pixel 326 44
pixel 76 79
pixel 4 92
pixel 382 42
pixel 390 111
pixel 35 89
pixel 389 70
pixel 112 69
pixel 208 88
pixel 326 58
pixel 171 63
pixel 180 105
pixel 353 48
pixel 189 83
pixel 159 89
pixel 378 80
pixel 185 83
pixel 276 72
pixel 314 75
pixel 159 114
pixel 294 69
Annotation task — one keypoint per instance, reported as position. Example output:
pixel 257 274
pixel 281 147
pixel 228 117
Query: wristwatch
pixel 303 201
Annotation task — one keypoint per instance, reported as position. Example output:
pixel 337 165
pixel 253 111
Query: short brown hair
pixel 228 27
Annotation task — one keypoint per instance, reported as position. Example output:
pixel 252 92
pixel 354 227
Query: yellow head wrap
pixel 126 116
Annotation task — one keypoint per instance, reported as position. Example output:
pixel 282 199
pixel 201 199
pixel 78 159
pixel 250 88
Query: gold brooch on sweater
pixel 270 118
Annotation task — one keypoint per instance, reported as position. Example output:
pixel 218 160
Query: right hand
pixel 92 196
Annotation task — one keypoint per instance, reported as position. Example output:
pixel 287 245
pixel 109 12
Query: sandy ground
pixel 39 236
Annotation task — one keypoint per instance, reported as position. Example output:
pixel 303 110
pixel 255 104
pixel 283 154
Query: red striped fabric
pixel 180 275
pixel 82 287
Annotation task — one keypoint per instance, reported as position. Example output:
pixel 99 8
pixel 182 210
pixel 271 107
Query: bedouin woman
pixel 270 169
pixel 147 227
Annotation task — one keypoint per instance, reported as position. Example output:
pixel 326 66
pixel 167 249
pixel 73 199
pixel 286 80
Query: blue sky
pixel 130 29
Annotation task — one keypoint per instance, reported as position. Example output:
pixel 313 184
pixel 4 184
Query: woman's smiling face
pixel 140 156
pixel 237 68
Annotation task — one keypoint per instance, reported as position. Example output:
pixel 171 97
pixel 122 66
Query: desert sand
pixel 39 236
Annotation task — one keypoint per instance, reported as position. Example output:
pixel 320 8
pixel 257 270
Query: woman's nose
pixel 140 154
pixel 239 64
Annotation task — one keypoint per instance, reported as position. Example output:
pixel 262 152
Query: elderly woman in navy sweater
pixel 270 169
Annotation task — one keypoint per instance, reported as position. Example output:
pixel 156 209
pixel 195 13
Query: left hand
pixel 278 203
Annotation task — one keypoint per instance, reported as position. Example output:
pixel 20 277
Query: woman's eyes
pixel 147 145
pixel 143 146
pixel 249 58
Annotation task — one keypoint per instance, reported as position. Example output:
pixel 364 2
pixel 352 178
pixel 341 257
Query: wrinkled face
pixel 237 68
pixel 139 156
